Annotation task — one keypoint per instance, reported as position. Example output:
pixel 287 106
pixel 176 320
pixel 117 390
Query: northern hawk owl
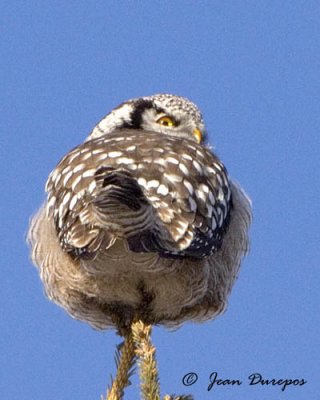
pixel 141 220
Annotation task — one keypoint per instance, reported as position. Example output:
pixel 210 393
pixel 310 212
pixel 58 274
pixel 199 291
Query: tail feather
pixel 118 187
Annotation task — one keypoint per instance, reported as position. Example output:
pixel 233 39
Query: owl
pixel 141 221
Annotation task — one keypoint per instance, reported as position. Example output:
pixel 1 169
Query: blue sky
pixel 253 69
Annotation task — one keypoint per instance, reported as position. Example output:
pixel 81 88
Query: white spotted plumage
pixel 141 220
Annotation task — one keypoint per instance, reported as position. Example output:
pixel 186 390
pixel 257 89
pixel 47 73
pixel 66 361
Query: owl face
pixel 164 113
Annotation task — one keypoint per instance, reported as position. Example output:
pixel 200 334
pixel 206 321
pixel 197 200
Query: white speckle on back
pixel 125 160
pixel 153 199
pixel 221 195
pixel 174 178
pixel 114 154
pixel 76 182
pixel 79 167
pixel 73 155
pixel 204 188
pixel 66 170
pixel 142 182
pixel 186 157
pixel 58 178
pixel 183 169
pixel 89 173
pixel 53 175
pixel 51 202
pixel 172 160
pixel 211 170
pixel 160 161
pixel 66 198
pixel 86 156
pixel 201 195
pixel 193 204
pixel 188 185
pixel 102 157
pixel 212 198
pixel 97 151
pixel 163 189
pixel 191 147
pixel 159 149
pixel 132 166
pixel 73 202
pixel 92 186
pixel 197 166
pixel 67 177
pixel 62 210
pixel 152 184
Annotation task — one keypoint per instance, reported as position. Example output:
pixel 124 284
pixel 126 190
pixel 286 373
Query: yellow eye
pixel 166 121
pixel 198 135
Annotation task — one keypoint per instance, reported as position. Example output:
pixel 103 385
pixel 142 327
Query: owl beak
pixel 197 134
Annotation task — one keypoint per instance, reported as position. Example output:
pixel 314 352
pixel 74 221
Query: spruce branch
pixel 145 351
pixel 125 359
pixel 137 345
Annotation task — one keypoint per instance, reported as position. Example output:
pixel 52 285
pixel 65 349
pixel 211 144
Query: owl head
pixel 163 113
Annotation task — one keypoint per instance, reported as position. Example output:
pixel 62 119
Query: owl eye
pixel 166 121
